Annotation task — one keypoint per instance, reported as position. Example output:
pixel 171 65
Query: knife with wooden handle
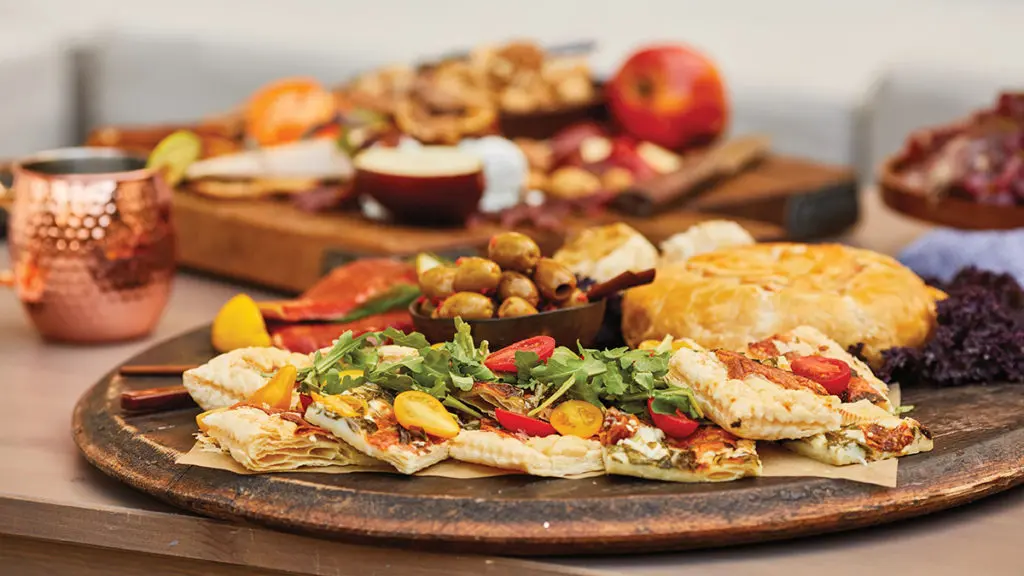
pixel 697 172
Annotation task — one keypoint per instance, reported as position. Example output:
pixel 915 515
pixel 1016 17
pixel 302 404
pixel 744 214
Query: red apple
pixel 672 96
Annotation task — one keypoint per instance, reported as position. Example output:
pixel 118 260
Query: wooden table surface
pixel 60 516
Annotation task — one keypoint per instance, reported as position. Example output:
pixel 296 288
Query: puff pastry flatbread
pixel 632 448
pixel 378 434
pixel 753 400
pixel 273 441
pixel 734 296
pixel 555 455
pixel 232 377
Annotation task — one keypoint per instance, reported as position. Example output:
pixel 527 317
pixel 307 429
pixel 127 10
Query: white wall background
pixel 782 50
pixel 822 44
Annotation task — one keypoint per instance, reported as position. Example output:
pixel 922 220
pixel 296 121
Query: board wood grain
pixel 979 450
pixel 272 243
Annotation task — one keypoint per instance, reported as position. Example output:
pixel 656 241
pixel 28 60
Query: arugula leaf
pixel 453 402
pixel 558 394
pixel 668 401
pixel 399 338
pixel 399 296
pixel 312 377
pixel 464 383
pixel 336 385
pixel 525 361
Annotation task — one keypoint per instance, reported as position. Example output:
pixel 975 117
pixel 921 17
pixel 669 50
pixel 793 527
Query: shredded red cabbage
pixel 979 337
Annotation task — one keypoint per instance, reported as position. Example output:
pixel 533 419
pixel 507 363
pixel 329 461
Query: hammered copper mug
pixel 91 244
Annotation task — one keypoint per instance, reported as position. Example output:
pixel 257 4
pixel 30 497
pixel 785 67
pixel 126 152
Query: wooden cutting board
pixel 979 450
pixel 273 244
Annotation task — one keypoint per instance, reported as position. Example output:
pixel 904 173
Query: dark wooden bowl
pixel 566 326
pixel 913 201
pixel 544 124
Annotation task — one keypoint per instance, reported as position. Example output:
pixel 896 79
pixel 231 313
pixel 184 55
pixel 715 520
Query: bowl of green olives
pixel 512 294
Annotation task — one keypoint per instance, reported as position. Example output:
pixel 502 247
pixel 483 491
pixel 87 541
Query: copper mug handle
pixel 6 202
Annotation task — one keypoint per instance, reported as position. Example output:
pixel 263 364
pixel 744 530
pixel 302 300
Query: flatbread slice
pixel 232 377
pixel 273 441
pixel 808 341
pixel 554 455
pixel 377 433
pixel 633 448
pixel 751 399
pixel 872 434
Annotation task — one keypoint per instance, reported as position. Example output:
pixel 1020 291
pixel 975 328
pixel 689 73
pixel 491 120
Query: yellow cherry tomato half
pixel 415 409
pixel 277 393
pixel 576 418
pixel 344 405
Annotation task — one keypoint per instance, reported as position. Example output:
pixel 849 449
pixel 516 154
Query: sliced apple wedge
pixel 429 185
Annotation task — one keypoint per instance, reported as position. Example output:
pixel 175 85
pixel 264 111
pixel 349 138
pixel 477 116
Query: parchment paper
pixel 776 460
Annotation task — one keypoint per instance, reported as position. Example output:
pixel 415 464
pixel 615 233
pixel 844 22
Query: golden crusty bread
pixel 731 297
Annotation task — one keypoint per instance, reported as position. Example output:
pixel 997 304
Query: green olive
pixel 518 285
pixel 476 275
pixel 577 298
pixel 436 283
pixel 514 251
pixel 515 306
pixel 468 305
pixel 554 281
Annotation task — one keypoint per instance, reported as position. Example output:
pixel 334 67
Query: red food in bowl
pixel 428 185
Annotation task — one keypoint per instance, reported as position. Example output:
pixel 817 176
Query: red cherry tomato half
pixel 504 360
pixel 832 374
pixel 676 425
pixel 519 423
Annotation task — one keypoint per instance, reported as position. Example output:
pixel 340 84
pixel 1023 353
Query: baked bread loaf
pixel 731 297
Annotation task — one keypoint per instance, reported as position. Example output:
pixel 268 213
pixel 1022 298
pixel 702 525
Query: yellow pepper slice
pixel 277 393
pixel 344 405
pixel 415 409
pixel 350 373
pixel 239 324
pixel 201 418
pixel 576 418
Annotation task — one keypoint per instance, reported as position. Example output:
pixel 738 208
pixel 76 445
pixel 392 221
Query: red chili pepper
pixel 519 423
pixel 676 425
pixel 504 360
pixel 833 374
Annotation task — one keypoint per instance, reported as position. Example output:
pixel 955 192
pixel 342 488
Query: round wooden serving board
pixel 979 450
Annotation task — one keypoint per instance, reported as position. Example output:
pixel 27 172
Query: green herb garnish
pixel 399 297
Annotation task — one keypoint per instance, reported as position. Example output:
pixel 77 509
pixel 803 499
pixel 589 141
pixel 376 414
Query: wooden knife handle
pixel 156 399
pixel 155 369
pixel 697 172
pixel 621 282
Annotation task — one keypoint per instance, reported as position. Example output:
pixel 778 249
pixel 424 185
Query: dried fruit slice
pixel 174 154
pixel 284 111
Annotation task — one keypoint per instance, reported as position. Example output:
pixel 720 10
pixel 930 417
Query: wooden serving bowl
pixel 566 326
pixel 544 124
pixel 915 202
